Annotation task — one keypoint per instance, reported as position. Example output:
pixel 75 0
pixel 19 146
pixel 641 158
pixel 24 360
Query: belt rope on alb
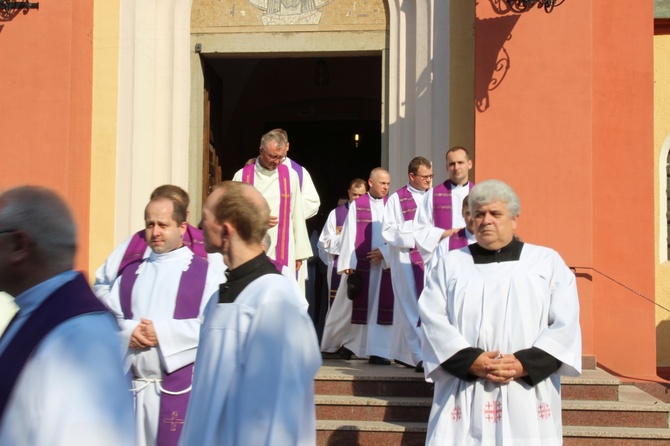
pixel 157 381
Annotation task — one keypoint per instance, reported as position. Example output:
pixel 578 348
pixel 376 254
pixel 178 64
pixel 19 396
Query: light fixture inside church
pixel 525 5
pixel 356 139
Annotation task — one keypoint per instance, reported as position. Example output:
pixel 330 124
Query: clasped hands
pixel 497 368
pixel 144 335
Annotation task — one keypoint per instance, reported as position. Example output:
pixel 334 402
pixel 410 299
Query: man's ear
pixel 21 245
pixel 182 228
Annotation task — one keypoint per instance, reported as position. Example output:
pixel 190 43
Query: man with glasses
pixel 60 357
pixel 280 186
pixel 406 262
pixel 440 214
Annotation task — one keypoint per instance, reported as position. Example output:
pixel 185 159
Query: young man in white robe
pixel 159 304
pixel 60 357
pixel 500 323
pixel 440 216
pixel 254 372
pixel 406 263
pixel 363 326
pixel 136 249
pixel 280 186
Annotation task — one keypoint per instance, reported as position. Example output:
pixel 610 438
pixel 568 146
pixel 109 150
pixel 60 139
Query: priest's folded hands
pixel 497 368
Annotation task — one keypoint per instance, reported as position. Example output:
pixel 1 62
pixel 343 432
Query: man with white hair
pixel 500 323
pixel 60 357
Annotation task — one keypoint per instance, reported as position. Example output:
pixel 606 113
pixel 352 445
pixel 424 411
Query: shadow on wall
pixel 491 59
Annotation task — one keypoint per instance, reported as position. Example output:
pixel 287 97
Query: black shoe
pixel 378 360
pixel 419 367
pixel 403 363
pixel 345 353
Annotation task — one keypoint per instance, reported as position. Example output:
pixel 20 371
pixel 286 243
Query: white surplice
pixel 154 297
pixel 362 339
pixel 310 196
pixel 427 235
pixel 329 245
pixel 267 183
pixel 507 306
pixel 399 235
pixel 108 272
pixel 254 373
pixel 71 391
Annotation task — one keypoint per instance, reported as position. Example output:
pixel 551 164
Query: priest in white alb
pixel 280 186
pixel 439 216
pixel 500 324
pixel 253 382
pixel 363 326
pixel 406 263
pixel 159 302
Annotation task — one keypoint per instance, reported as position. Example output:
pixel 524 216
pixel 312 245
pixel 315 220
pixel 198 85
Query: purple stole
pixel 340 215
pixel 458 240
pixel 408 206
pixel 72 299
pixel 442 207
pixel 281 250
pixel 359 314
pixel 193 240
pixel 189 297
pixel 298 169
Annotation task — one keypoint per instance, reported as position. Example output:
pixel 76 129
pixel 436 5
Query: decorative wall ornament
pixel 519 6
pixel 290 12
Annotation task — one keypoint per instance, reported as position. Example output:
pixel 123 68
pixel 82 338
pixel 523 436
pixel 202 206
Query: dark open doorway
pixel 322 102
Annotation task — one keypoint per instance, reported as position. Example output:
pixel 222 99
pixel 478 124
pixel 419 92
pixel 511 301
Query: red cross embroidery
pixel 174 421
pixel 493 411
pixel 544 411
pixel 456 413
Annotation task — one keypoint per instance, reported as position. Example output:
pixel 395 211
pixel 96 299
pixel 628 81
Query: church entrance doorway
pixel 331 108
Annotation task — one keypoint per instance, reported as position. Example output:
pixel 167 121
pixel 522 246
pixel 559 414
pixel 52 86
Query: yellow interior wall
pixel 661 132
pixel 104 123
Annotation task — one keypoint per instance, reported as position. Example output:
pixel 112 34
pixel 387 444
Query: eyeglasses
pixel 7 231
pixel 280 158
pixel 424 177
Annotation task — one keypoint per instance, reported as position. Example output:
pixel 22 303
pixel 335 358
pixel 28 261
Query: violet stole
pixel 408 206
pixel 359 313
pixel 72 299
pixel 458 240
pixel 193 240
pixel 189 296
pixel 443 205
pixel 281 249
pixel 340 215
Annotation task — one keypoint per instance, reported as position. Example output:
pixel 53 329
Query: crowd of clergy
pixel 217 346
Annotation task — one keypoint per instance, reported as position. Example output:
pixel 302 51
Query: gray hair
pixel 44 216
pixel 489 191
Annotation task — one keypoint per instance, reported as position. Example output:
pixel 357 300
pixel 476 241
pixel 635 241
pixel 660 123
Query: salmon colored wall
pixel 45 104
pixel 570 119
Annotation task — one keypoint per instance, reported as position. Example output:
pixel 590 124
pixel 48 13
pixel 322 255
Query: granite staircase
pixel 358 404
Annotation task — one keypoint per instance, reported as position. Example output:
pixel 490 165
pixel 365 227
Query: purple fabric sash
pixel 298 169
pixel 281 249
pixel 193 240
pixel 189 297
pixel 340 216
pixel 443 205
pixel 72 299
pixel 458 240
pixel 359 314
pixel 408 206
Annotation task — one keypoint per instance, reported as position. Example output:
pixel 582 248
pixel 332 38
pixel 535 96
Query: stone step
pixel 614 436
pixel 372 433
pixel 634 408
pixel 596 385
pixel 365 408
pixel 358 378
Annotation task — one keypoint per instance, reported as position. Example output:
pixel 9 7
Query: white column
pixel 418 83
pixel 153 120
